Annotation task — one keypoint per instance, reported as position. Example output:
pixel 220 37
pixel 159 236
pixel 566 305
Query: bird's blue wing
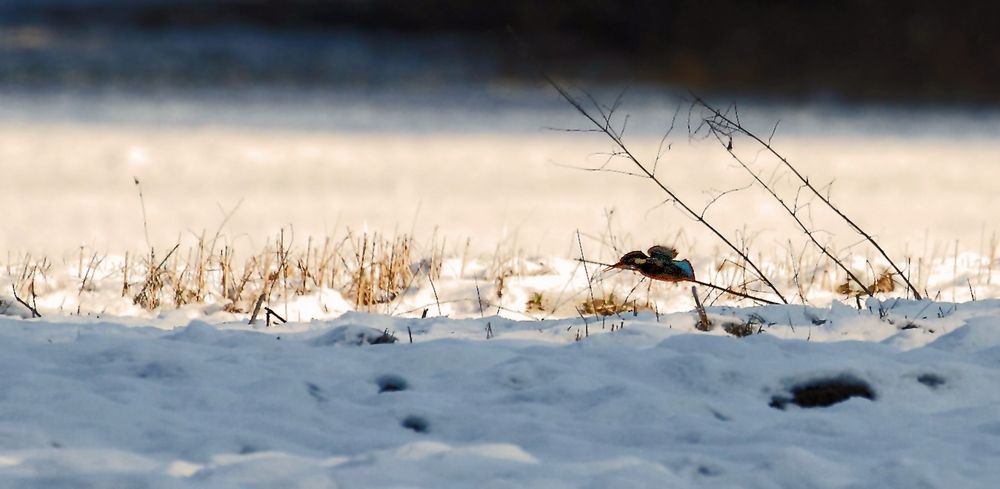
pixel 686 267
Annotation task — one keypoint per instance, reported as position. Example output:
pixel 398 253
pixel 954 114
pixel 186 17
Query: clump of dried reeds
pixel 382 269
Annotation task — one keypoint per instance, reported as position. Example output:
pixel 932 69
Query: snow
pixel 93 401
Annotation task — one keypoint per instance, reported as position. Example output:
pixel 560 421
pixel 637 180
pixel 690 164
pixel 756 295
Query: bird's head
pixel 630 261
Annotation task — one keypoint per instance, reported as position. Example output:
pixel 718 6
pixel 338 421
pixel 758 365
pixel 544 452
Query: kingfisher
pixel 659 265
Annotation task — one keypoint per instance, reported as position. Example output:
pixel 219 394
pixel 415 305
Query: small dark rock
pixel 824 392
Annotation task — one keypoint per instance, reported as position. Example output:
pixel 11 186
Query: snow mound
pixel 11 307
pixel 977 335
pixel 353 335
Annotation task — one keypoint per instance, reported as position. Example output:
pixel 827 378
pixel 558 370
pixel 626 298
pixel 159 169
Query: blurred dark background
pixel 888 50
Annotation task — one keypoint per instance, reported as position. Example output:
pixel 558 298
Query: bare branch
pixel 34 312
pixel 657 206
pixel 599 169
pixel 618 100
pixel 773 130
pixel 666 134
pixel 699 282
pixel 621 132
pixel 570 129
pixel 805 180
pixel 722 194
pixel 792 212
pixel 590 285
pixel 688 210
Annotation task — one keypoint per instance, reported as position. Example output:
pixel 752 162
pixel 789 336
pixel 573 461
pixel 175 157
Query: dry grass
pixel 25 275
pixel 382 269
pixel 370 269
pixel 375 272
pixel 609 305
pixel 536 303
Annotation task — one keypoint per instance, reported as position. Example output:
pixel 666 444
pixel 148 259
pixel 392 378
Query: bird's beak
pixel 618 265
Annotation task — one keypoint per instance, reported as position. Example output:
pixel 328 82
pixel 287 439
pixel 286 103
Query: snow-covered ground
pixel 507 380
pixel 108 402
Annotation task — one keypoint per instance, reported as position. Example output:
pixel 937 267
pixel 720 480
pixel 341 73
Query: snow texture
pixel 88 402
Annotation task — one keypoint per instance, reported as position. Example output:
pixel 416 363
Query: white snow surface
pixel 89 401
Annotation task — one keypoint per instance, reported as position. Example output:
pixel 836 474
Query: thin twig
pixel 142 205
pixel 703 323
pixel 705 284
pixel 586 273
pixel 34 312
pixel 157 269
pixel 256 306
pixel 435 290
pixel 226 216
pixel 479 299
pixel 271 312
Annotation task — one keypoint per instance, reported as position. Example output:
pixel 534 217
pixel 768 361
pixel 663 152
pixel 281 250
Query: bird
pixel 659 265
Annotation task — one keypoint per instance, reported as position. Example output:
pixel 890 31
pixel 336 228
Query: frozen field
pixel 481 362
pixel 105 402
